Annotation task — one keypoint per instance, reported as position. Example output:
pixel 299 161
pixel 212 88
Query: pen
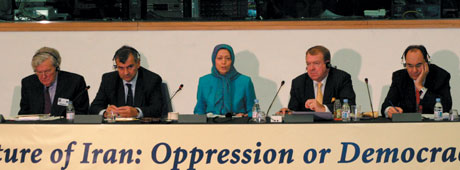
pixel 393 106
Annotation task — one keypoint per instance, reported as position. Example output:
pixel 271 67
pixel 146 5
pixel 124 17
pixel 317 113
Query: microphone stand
pixel 282 83
pixel 369 94
pixel 165 105
pixel 179 89
pixel 81 93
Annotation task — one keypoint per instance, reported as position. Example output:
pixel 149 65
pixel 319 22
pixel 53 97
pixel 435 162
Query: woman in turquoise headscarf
pixel 224 90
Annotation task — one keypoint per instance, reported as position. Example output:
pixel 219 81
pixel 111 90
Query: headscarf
pixel 223 98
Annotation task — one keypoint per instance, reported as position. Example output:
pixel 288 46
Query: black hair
pixel 123 54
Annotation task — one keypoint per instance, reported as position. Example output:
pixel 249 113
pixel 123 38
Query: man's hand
pixel 242 115
pixel 124 111
pixel 284 111
pixel 394 110
pixel 312 104
pixel 127 111
pixel 422 76
pixel 109 110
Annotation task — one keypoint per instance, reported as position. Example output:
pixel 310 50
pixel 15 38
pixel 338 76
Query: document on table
pixel 35 117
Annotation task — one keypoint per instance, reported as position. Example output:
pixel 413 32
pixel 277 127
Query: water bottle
pixel 255 109
pixel 252 10
pixel 70 112
pixel 438 110
pixel 345 111
pixel 257 115
pixel 337 110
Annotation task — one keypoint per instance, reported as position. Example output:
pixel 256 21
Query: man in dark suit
pixel 415 88
pixel 49 90
pixel 307 89
pixel 130 91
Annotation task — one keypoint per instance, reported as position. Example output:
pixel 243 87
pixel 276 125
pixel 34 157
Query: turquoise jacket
pixel 221 94
pixel 242 95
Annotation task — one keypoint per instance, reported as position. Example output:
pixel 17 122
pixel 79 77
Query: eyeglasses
pixel 43 73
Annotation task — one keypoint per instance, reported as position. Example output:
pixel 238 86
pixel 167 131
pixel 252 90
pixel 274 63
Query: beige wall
pixel 268 57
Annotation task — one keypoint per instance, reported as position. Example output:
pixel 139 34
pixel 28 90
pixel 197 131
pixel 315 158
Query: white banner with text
pixel 251 146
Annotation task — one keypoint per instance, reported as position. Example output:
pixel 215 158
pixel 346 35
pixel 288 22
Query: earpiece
pixel 124 49
pixel 422 49
pixel 114 65
pixel 55 64
pixel 328 64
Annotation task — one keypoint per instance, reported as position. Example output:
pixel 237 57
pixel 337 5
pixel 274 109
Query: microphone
pixel 282 83
pixel 369 94
pixel 164 108
pixel 179 89
pixel 229 115
pixel 81 93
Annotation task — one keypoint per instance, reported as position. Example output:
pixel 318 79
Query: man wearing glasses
pixel 130 91
pixel 415 88
pixel 50 89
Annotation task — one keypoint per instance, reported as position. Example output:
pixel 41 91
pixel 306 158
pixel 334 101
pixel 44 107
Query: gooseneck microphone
pixel 169 100
pixel 81 93
pixel 179 89
pixel 282 83
pixel 229 115
pixel 369 94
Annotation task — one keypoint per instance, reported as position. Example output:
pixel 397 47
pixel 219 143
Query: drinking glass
pixel 112 117
pixel 453 115
pixel 356 112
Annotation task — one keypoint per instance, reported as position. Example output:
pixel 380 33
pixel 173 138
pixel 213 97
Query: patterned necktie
pixel 417 99
pixel 47 101
pixel 129 100
pixel 319 94
pixel 417 96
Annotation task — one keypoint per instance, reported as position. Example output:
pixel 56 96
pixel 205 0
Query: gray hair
pixel 43 54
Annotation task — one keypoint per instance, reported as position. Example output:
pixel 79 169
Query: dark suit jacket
pixel 68 86
pixel 402 91
pixel 338 85
pixel 147 96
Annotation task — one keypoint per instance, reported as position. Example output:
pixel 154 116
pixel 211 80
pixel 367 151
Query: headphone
pixel 56 61
pixel 123 49
pixel 328 65
pixel 422 49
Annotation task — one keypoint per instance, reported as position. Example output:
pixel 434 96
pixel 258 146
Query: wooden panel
pixel 251 25
pixel 68 26
pixel 414 23
pixel 226 25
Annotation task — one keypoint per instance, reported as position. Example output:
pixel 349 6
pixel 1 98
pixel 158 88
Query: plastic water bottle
pixel 337 110
pixel 257 115
pixel 345 111
pixel 70 111
pixel 252 10
pixel 438 110
pixel 255 109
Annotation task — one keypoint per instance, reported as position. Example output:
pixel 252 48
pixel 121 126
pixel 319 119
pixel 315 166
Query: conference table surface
pixel 222 120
